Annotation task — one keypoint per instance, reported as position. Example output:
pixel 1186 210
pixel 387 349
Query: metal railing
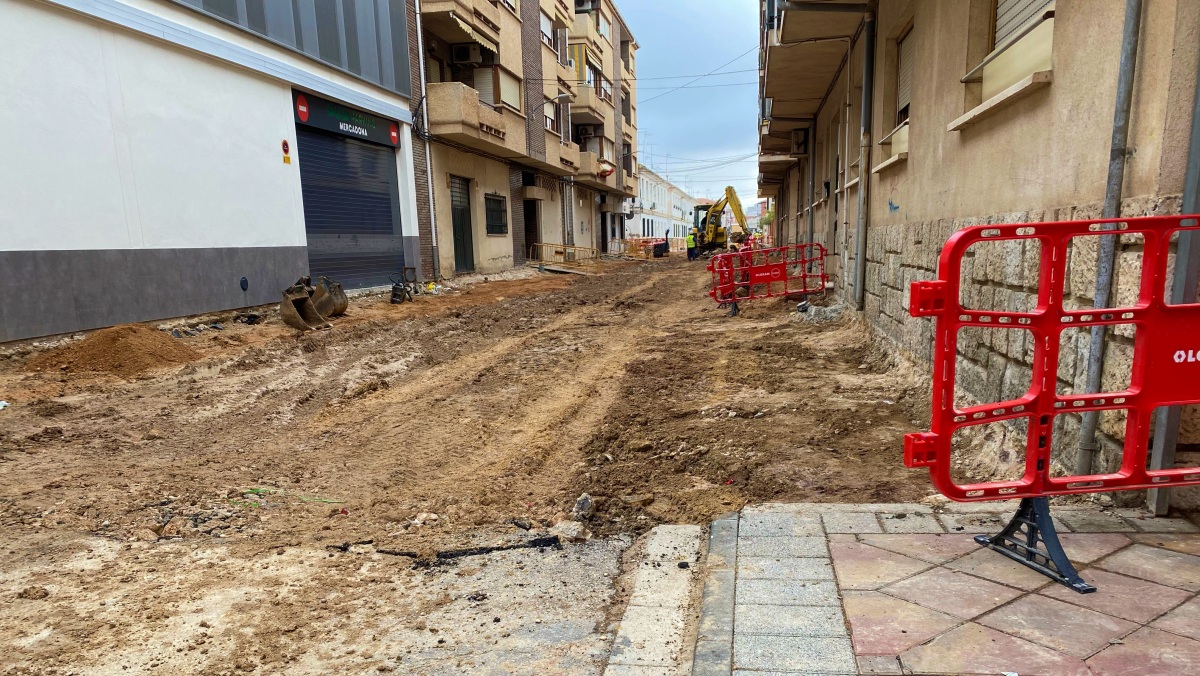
pixel 562 254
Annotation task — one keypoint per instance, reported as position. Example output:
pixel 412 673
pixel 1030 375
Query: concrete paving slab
pixel 779 525
pixel 1084 521
pixel 662 584
pixel 722 544
pixel 1148 652
pixel 1186 544
pixel 975 649
pixel 904 522
pixel 674 543
pixel 626 670
pixel 953 592
pixel 860 566
pixel 931 548
pixel 1160 565
pixel 713 658
pixel 974 523
pixel 1088 547
pixel 649 637
pixel 1146 522
pixel 881 624
pixel 782 547
pixel 773 620
pixel 786 593
pixel 1058 625
pixel 851 522
pixel 802 654
pixel 1184 620
pixel 879 664
pixel 811 508
pixel 1121 596
pixel 994 566
pixel 771 568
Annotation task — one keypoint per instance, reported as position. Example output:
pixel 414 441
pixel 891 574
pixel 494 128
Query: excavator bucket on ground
pixel 329 298
pixel 297 310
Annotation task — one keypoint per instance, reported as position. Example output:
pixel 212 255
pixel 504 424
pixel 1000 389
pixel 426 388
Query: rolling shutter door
pixel 904 74
pixel 1012 15
pixel 351 208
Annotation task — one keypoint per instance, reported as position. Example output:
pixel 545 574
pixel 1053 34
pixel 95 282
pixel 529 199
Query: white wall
pixel 112 140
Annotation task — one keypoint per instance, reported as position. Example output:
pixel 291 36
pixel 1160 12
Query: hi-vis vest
pixel 691 240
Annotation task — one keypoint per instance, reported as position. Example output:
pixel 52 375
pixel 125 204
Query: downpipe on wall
pixel 864 162
pixel 1105 267
pixel 437 266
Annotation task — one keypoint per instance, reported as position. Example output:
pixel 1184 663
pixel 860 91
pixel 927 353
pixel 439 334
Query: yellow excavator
pixel 713 235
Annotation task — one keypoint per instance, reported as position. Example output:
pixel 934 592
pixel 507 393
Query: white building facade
pixel 661 209
pixel 165 158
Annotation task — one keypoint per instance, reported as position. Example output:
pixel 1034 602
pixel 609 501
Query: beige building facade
pixel 528 146
pixel 981 111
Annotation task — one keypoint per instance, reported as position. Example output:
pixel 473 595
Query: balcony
pixel 456 114
pixel 590 169
pixel 563 14
pixel 457 21
pixel 589 107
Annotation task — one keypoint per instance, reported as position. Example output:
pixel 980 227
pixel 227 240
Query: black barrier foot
pixel 1020 540
pixel 733 309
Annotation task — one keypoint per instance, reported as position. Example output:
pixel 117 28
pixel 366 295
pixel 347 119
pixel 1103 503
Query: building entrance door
pixel 460 215
pixel 533 234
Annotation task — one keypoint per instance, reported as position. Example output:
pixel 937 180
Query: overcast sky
pixel 691 132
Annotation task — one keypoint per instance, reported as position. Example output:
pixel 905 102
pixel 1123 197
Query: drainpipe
pixel 864 162
pixel 437 266
pixel 1183 292
pixel 1088 445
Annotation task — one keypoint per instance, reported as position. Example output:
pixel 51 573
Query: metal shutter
pixel 485 84
pixel 1012 15
pixel 904 72
pixel 351 208
pixel 510 88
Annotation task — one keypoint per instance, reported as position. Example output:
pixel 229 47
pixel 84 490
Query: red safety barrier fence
pixel 762 273
pixel 1165 368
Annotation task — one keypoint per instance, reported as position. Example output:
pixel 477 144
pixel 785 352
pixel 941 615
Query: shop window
pixel 496 208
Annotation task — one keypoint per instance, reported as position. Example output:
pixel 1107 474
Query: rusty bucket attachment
pixel 329 298
pixel 297 309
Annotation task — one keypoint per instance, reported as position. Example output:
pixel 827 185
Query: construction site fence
pixel 563 254
pixel 643 247
pixel 752 274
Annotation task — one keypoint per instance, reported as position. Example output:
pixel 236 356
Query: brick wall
pixel 420 164
pixel 996 364
pixel 531 60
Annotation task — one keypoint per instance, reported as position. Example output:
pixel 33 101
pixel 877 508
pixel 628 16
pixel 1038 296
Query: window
pixel 591 73
pixel 496 208
pixel 604 88
pixel 606 149
pixel 603 26
pixel 905 48
pixel 551 112
pixel 626 108
pixel 510 88
pixel 1012 15
pixel 549 35
pixel 485 84
pixel 627 158
pixel 511 4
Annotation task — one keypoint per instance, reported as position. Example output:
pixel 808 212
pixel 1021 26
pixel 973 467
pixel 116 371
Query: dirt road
pixel 262 507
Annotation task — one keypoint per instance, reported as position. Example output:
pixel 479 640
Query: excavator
pixel 713 235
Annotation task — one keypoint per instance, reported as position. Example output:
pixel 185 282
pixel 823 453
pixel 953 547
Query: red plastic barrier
pixel 763 273
pixel 1165 367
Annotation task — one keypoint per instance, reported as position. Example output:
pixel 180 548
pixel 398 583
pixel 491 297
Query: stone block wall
pixel 996 364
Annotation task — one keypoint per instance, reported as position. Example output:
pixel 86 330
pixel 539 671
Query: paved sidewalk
pixel 904 589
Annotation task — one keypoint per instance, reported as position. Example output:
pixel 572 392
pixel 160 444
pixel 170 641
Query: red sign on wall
pixel 302 108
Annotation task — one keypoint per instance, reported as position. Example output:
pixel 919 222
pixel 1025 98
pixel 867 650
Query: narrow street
pixel 399 493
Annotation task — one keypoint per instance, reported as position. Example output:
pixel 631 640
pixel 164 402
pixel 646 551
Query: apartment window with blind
pixel 511 4
pixel 905 48
pixel 549 35
pixel 604 88
pixel 1012 16
pixel 497 86
pixel 603 26
pixel 606 149
pixel 551 112
pixel 496 211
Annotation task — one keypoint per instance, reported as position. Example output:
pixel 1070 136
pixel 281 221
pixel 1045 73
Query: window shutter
pixel 485 84
pixel 547 26
pixel 510 89
pixel 551 110
pixel 904 72
pixel 1012 15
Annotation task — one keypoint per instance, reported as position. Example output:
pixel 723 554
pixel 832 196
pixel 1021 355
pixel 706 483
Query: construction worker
pixel 691 246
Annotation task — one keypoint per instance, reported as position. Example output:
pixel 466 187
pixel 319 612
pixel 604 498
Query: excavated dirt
pixel 124 351
pixel 469 420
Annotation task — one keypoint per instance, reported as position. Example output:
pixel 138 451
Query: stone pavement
pixel 904 589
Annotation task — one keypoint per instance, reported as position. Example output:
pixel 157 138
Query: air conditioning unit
pixel 799 143
pixel 468 53
pixel 586 6
pixel 571 64
pixel 587 130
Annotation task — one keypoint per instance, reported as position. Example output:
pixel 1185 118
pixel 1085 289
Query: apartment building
pixel 531 129
pixel 661 209
pixel 160 158
pixel 976 112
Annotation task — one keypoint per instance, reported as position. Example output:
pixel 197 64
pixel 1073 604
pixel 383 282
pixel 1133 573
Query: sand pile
pixel 123 351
